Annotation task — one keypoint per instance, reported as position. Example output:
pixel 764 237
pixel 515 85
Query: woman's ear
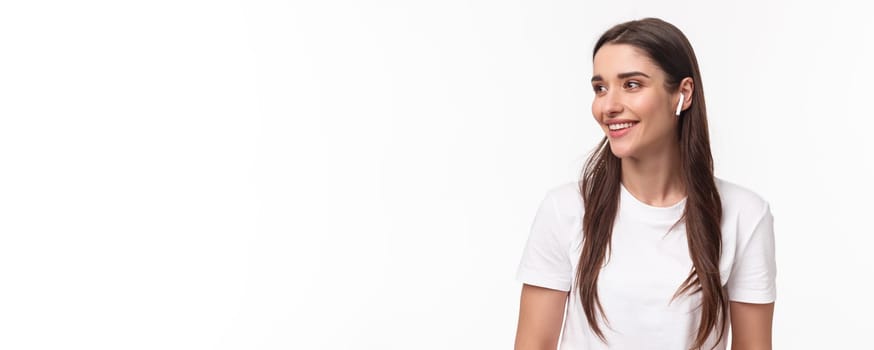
pixel 687 88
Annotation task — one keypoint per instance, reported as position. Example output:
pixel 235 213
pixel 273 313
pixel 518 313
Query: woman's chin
pixel 619 151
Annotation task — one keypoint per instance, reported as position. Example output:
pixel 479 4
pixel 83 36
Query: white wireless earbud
pixel 680 105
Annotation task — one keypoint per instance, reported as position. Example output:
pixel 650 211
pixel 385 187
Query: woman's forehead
pixel 614 59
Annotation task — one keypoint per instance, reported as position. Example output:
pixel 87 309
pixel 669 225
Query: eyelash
pixel 637 85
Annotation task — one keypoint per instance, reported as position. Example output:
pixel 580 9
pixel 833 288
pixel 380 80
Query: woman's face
pixel 631 103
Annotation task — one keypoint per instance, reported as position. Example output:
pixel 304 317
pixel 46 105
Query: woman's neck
pixel 656 179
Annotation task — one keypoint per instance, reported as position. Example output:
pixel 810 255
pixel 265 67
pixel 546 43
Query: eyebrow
pixel 621 76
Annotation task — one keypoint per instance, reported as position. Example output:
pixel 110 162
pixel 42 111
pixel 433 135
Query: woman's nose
pixel 612 105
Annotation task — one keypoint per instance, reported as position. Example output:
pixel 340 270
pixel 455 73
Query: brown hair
pixel 669 49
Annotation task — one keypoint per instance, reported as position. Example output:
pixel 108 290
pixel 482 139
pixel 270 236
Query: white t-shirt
pixel 647 265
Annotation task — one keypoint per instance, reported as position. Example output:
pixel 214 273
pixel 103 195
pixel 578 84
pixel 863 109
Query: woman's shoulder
pixel 740 200
pixel 567 198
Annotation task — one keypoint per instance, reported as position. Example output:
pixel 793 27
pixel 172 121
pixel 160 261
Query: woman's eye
pixel 632 84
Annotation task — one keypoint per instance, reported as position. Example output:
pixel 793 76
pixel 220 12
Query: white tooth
pixel 620 126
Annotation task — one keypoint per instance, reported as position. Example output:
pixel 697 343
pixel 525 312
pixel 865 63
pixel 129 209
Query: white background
pixel 362 175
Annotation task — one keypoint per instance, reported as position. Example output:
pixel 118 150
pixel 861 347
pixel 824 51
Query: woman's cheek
pixel 595 108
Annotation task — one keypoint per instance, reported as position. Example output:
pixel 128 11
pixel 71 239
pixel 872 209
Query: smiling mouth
pixel 620 126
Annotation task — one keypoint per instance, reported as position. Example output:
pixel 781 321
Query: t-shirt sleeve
pixel 545 261
pixel 753 276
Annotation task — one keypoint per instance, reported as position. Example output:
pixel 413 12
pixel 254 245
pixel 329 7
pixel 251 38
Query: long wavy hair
pixel 600 184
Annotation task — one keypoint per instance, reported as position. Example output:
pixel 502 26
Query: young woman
pixel 648 250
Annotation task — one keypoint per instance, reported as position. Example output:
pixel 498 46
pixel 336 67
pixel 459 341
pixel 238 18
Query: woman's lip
pixel 619 133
